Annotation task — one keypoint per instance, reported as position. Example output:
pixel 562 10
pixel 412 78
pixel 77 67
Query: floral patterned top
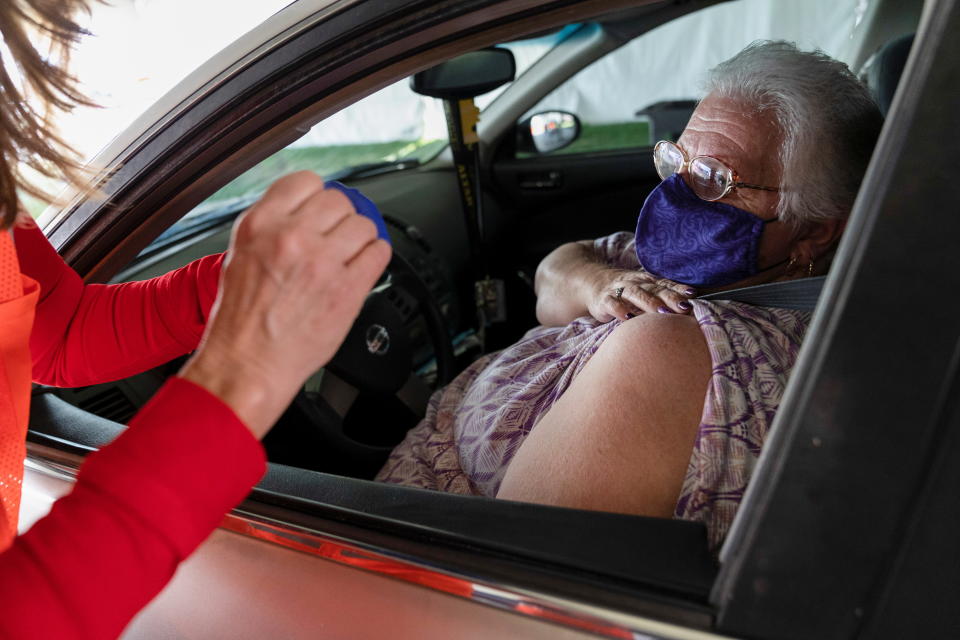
pixel 474 425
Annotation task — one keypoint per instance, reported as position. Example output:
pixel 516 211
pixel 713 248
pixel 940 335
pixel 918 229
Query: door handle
pixel 541 180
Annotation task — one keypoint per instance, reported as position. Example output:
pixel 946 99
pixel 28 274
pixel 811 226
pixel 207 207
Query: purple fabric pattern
pixel 689 240
pixel 752 351
pixel 475 425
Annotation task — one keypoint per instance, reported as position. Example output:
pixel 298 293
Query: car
pixel 849 526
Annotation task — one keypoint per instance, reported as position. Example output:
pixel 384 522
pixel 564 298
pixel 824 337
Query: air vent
pixel 111 404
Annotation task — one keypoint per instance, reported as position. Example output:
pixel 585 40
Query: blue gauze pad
pixel 364 207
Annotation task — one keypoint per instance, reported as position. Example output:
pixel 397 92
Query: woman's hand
pixel 573 281
pixel 625 293
pixel 300 264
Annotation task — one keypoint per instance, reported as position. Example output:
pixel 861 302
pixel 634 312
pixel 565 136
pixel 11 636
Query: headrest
pixel 882 71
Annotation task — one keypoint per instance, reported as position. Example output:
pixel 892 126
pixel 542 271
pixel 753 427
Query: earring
pixel 791 264
pixel 810 269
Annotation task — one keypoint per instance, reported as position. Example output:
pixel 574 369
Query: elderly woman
pixel 664 414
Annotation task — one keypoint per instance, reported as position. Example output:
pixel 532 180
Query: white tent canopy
pixel 661 64
pixel 664 64
pixel 669 64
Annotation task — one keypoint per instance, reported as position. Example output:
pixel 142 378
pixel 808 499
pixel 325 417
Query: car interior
pixel 346 421
pixel 339 430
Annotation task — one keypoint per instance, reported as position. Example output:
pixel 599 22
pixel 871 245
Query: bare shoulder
pixel 657 363
pixel 661 345
pixel 620 437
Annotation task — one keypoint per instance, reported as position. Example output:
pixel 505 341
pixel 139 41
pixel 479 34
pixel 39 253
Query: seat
pixel 881 72
pixel 668 118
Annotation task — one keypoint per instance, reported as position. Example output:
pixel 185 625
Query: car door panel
pixel 273 592
pixel 562 198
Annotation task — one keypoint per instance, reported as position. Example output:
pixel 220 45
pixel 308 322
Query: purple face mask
pixel 704 244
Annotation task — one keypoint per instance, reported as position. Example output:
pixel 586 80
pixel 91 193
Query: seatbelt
pixel 800 295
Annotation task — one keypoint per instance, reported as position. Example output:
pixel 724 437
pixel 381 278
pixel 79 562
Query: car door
pixel 299 527
pixel 291 556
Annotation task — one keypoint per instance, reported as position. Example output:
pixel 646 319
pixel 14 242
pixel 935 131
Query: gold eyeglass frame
pixel 733 182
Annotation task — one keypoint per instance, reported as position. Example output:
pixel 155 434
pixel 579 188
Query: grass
pixel 325 161
pixel 331 159
pixel 605 137
pixel 334 158
pixel 608 137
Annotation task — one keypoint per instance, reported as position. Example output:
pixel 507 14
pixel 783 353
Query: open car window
pixel 392 130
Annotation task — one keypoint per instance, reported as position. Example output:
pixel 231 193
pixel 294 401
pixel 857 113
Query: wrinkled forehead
pixel 737 133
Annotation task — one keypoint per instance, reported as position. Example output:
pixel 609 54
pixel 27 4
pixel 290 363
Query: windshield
pixel 390 130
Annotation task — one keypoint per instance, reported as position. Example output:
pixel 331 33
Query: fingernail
pixel 664 310
pixel 690 292
pixel 683 304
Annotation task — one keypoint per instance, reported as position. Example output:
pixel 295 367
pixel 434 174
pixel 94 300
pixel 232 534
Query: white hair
pixel 828 121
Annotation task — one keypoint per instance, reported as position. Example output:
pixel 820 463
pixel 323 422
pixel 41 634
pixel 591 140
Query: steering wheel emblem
pixel 378 339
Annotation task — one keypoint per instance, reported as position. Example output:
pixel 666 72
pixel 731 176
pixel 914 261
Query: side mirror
pixel 466 76
pixel 547 131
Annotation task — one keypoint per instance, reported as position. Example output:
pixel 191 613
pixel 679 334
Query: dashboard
pixel 119 400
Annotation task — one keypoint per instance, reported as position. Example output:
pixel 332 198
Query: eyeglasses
pixel 709 178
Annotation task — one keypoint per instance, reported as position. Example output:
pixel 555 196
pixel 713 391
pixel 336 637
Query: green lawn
pixel 33 206
pixel 331 159
pixel 325 161
pixel 607 137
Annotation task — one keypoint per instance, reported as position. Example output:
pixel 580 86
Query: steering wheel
pixel 374 361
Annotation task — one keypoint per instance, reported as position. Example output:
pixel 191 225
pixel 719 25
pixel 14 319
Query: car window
pixel 390 130
pixel 658 75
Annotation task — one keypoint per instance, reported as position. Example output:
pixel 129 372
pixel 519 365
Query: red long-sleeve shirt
pixel 143 503
pixel 96 333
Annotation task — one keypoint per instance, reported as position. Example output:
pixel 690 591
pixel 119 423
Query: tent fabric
pixel 667 63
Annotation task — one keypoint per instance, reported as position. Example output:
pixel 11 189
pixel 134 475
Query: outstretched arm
pixel 86 334
pixel 300 266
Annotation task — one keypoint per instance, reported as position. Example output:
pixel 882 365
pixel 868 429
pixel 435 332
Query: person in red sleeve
pixel 299 265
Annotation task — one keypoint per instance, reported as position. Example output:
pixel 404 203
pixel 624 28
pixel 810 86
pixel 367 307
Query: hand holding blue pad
pixel 364 207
